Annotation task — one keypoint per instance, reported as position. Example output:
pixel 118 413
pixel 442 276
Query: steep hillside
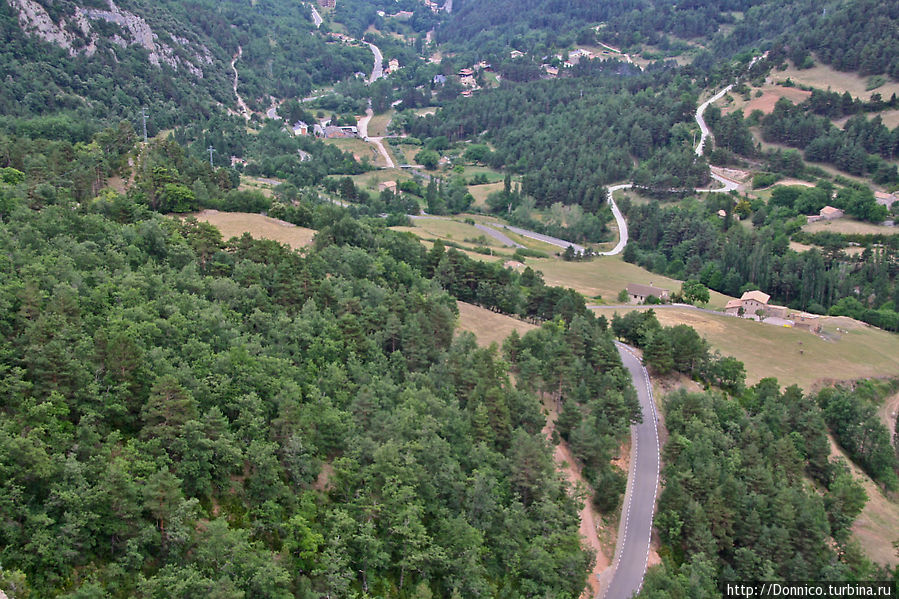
pixel 105 60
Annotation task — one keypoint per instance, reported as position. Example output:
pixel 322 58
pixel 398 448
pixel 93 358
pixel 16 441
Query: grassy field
pixel 877 527
pixel 801 247
pixel 856 351
pixel 498 255
pixel 770 95
pixel 848 225
pixel 824 77
pixel 606 276
pixel 480 192
pixel 890 118
pixel 489 327
pixel 235 224
pixel 263 185
pixel 359 149
pixel 377 126
pixel 371 179
pixel 448 230
pixel 492 175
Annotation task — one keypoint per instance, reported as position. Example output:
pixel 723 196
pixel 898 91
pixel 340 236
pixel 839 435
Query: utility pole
pixel 143 112
pixel 210 149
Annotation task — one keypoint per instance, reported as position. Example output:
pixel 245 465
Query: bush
pixel 765 180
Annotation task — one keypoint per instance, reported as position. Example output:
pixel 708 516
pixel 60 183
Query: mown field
pixel 824 77
pixel 606 276
pixel 791 355
pixel 235 224
pixel 489 327
pixel 849 225
pixel 359 149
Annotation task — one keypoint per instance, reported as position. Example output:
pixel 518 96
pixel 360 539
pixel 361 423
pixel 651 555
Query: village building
pixel 806 322
pixel 333 132
pixel 516 54
pixel 575 56
pixel 300 128
pixel 752 304
pixel 468 81
pixel 393 65
pixel 466 73
pixel 826 213
pixel 638 293
pixel 439 79
pixel 387 186
pixel 327 3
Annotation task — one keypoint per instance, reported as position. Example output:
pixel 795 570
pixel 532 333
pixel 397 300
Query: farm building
pixel 638 294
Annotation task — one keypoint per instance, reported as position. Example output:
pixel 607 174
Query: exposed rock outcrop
pixel 76 35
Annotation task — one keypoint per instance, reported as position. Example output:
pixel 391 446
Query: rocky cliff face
pixel 76 34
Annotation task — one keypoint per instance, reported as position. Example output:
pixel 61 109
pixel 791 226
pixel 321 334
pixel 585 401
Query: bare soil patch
pixel 770 95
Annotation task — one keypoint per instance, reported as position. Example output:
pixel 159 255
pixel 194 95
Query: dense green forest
pixel 861 147
pixel 185 416
pixel 751 494
pixel 188 416
pixel 859 35
pixel 568 138
pixel 692 242
pixel 281 57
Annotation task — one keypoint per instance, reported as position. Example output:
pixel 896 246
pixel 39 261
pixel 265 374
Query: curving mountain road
pixel 316 18
pixel 635 528
pixel 244 109
pixel 561 243
pixel 619 219
pixel 503 239
pixel 702 126
pixel 377 71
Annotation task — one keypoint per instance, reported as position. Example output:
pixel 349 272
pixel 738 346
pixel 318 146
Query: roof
pixel 758 296
pixel 637 289
pixel 734 303
pixel 830 210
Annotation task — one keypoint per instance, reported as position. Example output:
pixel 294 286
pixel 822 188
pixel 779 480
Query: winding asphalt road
pixel 702 126
pixel 316 18
pixel 377 70
pixel 500 237
pixel 635 528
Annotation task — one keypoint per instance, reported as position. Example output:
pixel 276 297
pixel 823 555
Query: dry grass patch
pixel 371 179
pixel 480 192
pixel 877 527
pixel 849 226
pixel 791 355
pixel 824 77
pixel 890 118
pixel 359 149
pixel 770 95
pixel 377 126
pixel 448 230
pixel 607 275
pixel 428 242
pixel 489 327
pixel 235 224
